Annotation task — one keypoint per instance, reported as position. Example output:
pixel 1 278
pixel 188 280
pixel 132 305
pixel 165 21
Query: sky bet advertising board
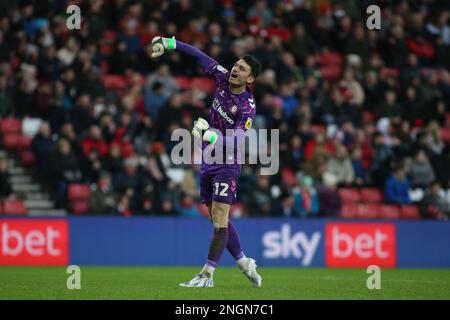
pixel 180 241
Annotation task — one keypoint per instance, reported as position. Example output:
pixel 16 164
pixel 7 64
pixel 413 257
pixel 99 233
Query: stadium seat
pixel 389 211
pixel 447 119
pixel 318 129
pixel 106 49
pixel 368 211
pixel 109 35
pixel 385 71
pixel 329 58
pixel 107 42
pixel 11 141
pixel 114 82
pixel 371 195
pixel 203 209
pixel 80 207
pixel 14 207
pixel 410 212
pixel 331 72
pixel 368 117
pixel 288 177
pixel 24 142
pixel 78 191
pixel 349 210
pixel 183 82
pixel 445 135
pixel 10 125
pixel 203 84
pixel 350 195
pixel 27 158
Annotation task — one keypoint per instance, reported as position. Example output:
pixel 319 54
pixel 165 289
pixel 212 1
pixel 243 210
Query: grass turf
pixel 278 283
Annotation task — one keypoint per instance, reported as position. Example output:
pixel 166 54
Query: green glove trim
pixel 213 138
pixel 171 43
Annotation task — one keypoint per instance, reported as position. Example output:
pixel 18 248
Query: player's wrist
pixel 210 136
pixel 171 43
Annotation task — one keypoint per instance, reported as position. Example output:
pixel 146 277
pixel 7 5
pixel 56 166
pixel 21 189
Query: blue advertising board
pixel 273 242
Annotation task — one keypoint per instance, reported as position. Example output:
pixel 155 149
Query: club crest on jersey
pixel 248 123
pixel 233 109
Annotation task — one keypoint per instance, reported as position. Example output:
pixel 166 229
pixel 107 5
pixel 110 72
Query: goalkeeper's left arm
pixel 160 45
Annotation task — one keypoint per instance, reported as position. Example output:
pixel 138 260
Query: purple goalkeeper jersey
pixel 228 110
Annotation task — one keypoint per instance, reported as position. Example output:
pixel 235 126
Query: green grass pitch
pixel 278 283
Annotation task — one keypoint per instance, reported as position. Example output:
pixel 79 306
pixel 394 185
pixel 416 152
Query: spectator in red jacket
pixel 94 141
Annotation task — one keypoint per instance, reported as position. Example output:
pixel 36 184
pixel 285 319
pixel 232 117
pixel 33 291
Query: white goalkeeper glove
pixel 159 45
pixel 202 125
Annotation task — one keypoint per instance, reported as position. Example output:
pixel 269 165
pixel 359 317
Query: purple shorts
pixel 219 184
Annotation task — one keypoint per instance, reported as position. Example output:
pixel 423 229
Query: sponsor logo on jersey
pixel 248 123
pixel 221 69
pixel 218 107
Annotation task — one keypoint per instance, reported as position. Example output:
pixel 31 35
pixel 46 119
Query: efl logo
pixel 33 242
pixel 360 245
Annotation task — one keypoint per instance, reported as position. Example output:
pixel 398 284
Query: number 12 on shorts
pixel 223 192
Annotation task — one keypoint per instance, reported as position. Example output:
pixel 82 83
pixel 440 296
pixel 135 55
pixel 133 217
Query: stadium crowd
pixel 355 107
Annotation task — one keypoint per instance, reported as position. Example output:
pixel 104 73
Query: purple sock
pixel 218 244
pixel 234 244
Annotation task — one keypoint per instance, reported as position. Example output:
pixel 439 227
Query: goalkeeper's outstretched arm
pixel 159 45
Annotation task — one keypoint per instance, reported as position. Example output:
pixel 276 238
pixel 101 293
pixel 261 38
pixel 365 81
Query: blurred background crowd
pixel 356 108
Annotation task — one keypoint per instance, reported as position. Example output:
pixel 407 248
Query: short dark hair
pixel 254 64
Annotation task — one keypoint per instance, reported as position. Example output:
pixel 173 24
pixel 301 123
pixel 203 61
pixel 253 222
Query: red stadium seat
pixel 445 135
pixel 331 72
pixel 27 158
pixel 371 195
pixel 114 82
pixel 11 141
pixel 14 207
pixel 394 72
pixel 410 212
pixel 106 49
pixel 109 36
pixel 203 84
pixel 350 195
pixel 203 209
pixel 349 210
pixel 318 129
pixel 80 206
pixel 24 142
pixel 11 125
pixel 368 117
pixel 78 191
pixel 183 82
pixel 447 119
pixel 288 177
pixel 389 211
pixel 329 58
pixel 368 211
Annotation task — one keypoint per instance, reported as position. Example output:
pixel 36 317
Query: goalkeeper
pixel 233 107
